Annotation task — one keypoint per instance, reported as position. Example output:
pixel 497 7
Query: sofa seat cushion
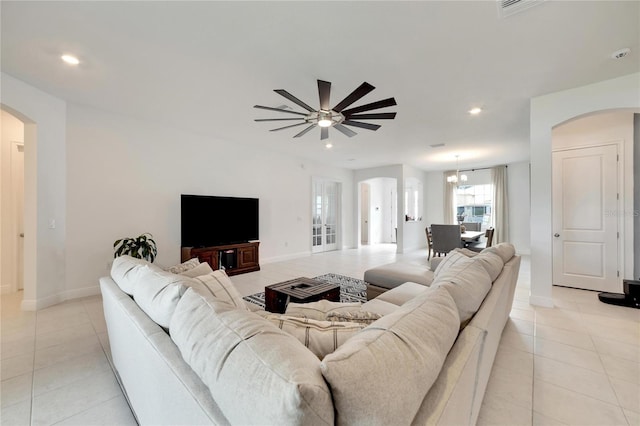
pixel 125 269
pixel 320 337
pixel 320 309
pixel 158 292
pixel 257 373
pixel 466 280
pixel 394 274
pixel 398 356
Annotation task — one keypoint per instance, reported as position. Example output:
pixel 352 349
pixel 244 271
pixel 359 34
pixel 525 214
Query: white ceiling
pixel 201 66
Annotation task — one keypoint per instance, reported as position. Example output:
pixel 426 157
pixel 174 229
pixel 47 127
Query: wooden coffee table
pixel 298 290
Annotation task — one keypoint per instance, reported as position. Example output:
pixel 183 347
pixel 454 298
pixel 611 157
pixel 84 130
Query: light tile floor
pixel 575 364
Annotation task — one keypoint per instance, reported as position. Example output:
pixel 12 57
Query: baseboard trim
pixel 45 302
pixel 545 302
pixel 285 257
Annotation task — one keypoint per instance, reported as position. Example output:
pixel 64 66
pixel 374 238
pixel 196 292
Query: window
pixel 473 204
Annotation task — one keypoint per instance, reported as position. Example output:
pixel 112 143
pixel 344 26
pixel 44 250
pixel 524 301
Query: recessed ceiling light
pixel 329 145
pixel 619 54
pixel 71 60
pixel 475 111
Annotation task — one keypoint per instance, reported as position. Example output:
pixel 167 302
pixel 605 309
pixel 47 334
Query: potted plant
pixel 142 247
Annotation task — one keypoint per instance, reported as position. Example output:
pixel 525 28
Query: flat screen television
pixel 211 221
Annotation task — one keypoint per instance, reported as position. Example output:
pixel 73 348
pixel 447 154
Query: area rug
pixel 351 289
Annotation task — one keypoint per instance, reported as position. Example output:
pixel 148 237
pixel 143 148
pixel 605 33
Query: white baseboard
pixel 285 257
pixel 45 302
pixel 545 302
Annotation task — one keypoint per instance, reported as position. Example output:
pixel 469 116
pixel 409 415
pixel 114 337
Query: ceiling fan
pixel 337 117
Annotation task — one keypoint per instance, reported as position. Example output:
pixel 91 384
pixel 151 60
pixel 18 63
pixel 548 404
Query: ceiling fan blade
pixel 304 131
pixel 362 90
pixel 292 98
pixel 345 130
pixel 279 110
pixel 378 116
pixel 324 91
pixel 287 127
pixel 368 107
pixel 363 125
pixel 324 133
pixel 278 119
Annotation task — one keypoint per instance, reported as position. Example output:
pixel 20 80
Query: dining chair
pixel 429 242
pixel 481 245
pixel 471 226
pixel 445 238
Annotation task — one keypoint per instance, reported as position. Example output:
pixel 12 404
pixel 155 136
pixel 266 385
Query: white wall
pixel 12 132
pixel 126 176
pixel 44 117
pixel 518 185
pixel 546 112
pixel 597 129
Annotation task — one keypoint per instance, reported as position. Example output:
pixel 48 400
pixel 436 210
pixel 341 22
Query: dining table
pixel 471 236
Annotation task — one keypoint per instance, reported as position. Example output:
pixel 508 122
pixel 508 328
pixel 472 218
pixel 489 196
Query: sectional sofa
pixel 188 350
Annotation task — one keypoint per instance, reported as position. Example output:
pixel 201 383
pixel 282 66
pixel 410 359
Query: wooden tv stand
pixel 239 258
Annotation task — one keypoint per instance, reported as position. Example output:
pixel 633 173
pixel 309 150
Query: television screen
pixel 210 221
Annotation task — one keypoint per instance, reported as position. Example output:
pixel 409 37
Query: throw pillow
pixel 201 269
pixel 184 266
pixel 256 373
pixel 400 355
pixel 320 337
pixel 319 310
pixel 217 285
pixel 158 293
pixel 360 317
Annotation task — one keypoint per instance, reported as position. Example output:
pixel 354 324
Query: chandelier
pixel 457 177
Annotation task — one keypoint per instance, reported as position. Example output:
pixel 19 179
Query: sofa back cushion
pixel 257 373
pixel 158 292
pixel 217 285
pixel 505 250
pixel 125 270
pixel 382 374
pixel 467 282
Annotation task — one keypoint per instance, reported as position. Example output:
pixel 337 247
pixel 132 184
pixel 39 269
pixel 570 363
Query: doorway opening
pixel 11 204
pixel 378 222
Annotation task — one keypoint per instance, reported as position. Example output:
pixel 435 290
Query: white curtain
pixel 500 204
pixel 449 198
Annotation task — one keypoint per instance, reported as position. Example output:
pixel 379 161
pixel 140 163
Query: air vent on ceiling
pixel 510 7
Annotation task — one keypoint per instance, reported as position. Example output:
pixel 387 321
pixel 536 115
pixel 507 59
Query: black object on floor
pixel 630 298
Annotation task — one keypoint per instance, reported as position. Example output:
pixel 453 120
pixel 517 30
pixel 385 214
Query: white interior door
pixel 325 214
pixel 17 178
pixel 365 206
pixel 585 223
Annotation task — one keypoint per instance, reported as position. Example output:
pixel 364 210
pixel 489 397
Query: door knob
pixel 556 235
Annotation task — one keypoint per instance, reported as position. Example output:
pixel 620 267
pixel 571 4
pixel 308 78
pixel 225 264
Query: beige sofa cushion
pixel 320 309
pixel 467 281
pixel 257 373
pixel 158 292
pixel 320 337
pixel 382 374
pixel 197 271
pixel 125 269
pixel 505 250
pixel 217 285
pixel 184 266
